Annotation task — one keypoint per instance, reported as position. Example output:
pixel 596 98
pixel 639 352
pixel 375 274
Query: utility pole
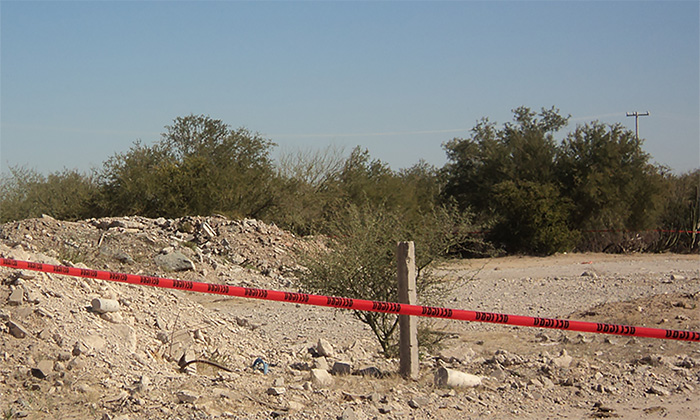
pixel 636 116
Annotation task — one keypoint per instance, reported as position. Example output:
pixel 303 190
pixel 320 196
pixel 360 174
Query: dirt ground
pixel 75 363
pixel 660 291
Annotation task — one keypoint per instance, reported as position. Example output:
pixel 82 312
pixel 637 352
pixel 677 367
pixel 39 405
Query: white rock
pixel 321 378
pixel 460 354
pixel 208 230
pixel 563 361
pixel 418 401
pixel 321 363
pixel 16 297
pixel 43 369
pixel 324 348
pixel 33 296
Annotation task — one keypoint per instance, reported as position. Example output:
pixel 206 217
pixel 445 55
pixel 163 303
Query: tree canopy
pixel 199 166
pixel 526 190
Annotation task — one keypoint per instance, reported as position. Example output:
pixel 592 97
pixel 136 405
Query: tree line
pixel 510 188
pixel 505 189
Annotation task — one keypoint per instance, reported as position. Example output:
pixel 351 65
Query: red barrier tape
pixel 358 304
pixel 485 232
pixel 641 231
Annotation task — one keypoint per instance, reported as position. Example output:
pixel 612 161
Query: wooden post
pixel 408 325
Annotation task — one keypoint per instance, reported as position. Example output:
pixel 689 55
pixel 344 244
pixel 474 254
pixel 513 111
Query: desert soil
pixel 61 359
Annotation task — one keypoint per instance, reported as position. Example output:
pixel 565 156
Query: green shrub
pixel 200 166
pixel 362 260
pixel 532 218
pixel 65 195
pixel 681 214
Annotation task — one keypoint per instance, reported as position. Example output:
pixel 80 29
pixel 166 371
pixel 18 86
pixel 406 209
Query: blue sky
pixel 81 81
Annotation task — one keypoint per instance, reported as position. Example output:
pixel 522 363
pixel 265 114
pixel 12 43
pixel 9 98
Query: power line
pixel 636 116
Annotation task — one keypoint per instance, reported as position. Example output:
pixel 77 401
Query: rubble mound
pixel 213 248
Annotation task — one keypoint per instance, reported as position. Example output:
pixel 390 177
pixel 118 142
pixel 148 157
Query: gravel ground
pixel 560 285
pixel 75 363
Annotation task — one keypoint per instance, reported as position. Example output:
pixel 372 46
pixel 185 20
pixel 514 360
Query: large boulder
pixel 174 261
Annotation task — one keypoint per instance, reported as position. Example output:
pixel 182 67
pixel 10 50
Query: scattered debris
pixel 88 348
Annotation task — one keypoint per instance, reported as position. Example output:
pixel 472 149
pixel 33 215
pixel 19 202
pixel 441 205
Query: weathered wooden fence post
pixel 408 325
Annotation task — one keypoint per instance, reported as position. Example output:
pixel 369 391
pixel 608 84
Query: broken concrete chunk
pixel 455 379
pixel 208 231
pixel 547 383
pixel 33 296
pixel 459 354
pixel 16 330
pixel 320 363
pixel 295 406
pixel 43 369
pixel 321 378
pixel 199 336
pixel 105 305
pixel 324 348
pixel 26 275
pixel 16 297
